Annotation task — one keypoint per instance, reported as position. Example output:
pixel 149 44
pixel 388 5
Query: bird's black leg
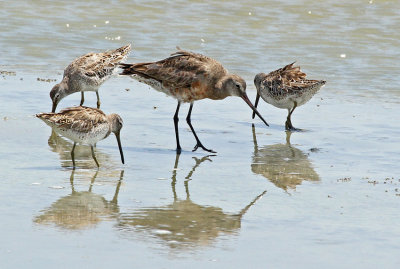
pixel 176 120
pixel 73 155
pixel 98 99
pixel 288 124
pixel 94 157
pixel 194 133
pixel 82 98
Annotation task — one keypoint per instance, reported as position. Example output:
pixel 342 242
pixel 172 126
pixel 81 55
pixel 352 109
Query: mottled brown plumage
pixel 189 77
pixel 87 73
pixel 186 76
pixel 80 119
pixel 286 88
pixel 84 125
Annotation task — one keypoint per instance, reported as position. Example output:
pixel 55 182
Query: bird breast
pixel 90 137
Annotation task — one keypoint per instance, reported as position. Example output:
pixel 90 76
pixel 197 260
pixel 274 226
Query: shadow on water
pixel 283 164
pixel 81 209
pixel 83 154
pixel 183 224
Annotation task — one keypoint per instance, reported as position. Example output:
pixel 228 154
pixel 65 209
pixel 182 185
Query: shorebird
pixel 189 77
pixel 87 73
pixel 84 125
pixel 287 88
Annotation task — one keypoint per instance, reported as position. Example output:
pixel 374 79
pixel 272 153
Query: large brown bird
pixel 189 77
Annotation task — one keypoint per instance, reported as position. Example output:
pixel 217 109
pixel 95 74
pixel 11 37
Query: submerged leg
pixel 98 99
pixel 73 155
pixel 94 157
pixel 288 124
pixel 199 144
pixel 82 98
pixel 256 104
pixel 176 120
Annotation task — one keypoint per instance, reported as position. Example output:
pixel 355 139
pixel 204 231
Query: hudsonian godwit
pixel 189 77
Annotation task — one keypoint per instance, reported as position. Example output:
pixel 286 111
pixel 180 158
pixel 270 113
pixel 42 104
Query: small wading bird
pixel 286 88
pixel 84 125
pixel 87 73
pixel 189 77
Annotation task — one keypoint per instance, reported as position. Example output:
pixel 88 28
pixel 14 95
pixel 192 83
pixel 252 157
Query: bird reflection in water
pixel 184 224
pixel 282 164
pixel 83 153
pixel 81 209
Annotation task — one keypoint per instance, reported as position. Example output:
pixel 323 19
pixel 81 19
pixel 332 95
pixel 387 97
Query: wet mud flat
pixel 328 190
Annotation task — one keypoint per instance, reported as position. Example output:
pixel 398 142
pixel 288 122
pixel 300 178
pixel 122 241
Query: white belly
pixel 284 103
pixel 91 138
pixel 287 101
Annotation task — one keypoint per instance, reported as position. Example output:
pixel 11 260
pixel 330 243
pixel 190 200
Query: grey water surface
pixel 327 197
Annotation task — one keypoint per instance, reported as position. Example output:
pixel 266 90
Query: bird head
pixel 57 93
pixel 234 85
pixel 116 126
pixel 258 79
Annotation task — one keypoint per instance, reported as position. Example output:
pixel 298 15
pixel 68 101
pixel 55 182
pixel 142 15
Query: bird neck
pixel 220 90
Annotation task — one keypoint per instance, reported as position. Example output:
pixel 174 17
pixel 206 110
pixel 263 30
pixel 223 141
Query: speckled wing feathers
pixel 179 70
pixel 81 119
pixel 288 80
pixel 98 65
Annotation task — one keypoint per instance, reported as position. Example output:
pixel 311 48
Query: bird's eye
pixel 238 86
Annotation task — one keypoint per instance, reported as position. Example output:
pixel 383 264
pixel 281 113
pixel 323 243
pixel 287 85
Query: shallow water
pixel 326 197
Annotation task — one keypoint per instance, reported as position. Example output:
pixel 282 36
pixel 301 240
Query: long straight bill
pixel 53 108
pixel 120 147
pixel 255 104
pixel 246 99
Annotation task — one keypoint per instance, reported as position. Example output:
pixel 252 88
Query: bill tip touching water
pixel 87 73
pixel 329 191
pixel 286 88
pixel 84 125
pixel 185 76
pixel 188 77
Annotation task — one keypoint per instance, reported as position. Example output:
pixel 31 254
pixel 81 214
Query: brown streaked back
pixel 289 79
pixel 80 119
pixel 98 65
pixel 179 70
